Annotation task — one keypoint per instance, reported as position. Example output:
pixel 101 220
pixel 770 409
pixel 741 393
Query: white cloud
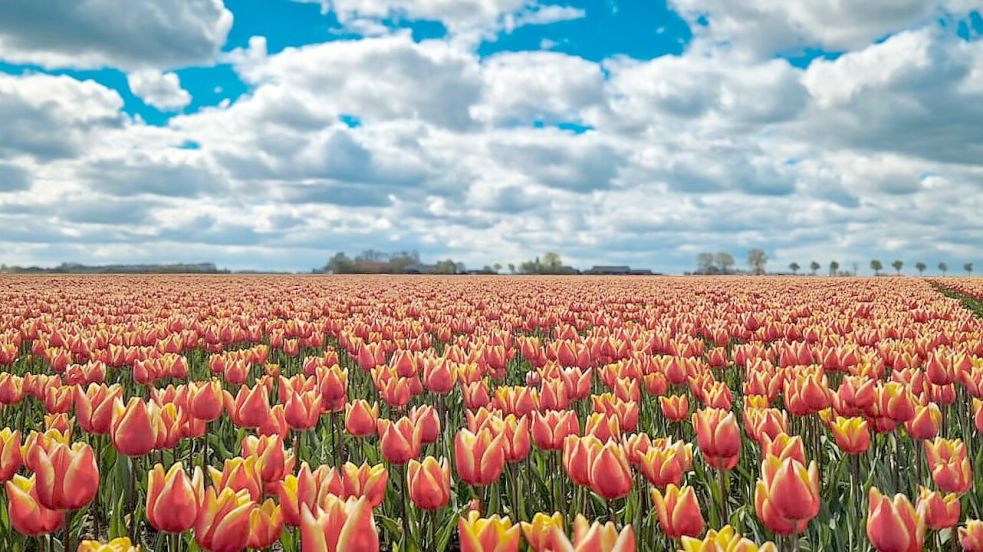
pixel 466 20
pixel 161 90
pixel 765 26
pixel 875 153
pixel 48 117
pixel 528 86
pixel 103 33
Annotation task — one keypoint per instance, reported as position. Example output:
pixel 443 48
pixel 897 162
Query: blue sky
pixel 268 134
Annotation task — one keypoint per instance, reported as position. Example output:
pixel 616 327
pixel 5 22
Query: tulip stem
pixel 723 497
pixel 67 542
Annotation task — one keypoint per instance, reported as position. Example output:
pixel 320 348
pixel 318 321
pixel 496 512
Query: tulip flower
pixel 333 384
pixel 58 400
pixel 239 474
pixel 724 540
pixel 426 418
pixel 949 464
pixel 265 525
pixel 399 441
pixel 603 426
pixel 493 534
pixel 894 526
pixel 302 410
pixel 67 476
pixel 674 407
pixel 364 480
pixel 925 424
pixel 784 446
pixel 851 435
pixel 173 500
pixel 540 533
pixel 479 457
pixel 360 418
pixel 971 536
pixel 941 510
pixel 223 520
pixel 594 537
pixel 10 454
pixel 339 526
pixel 609 471
pixel 475 395
pixel 27 515
pixel 787 495
pixel 273 461
pixel 297 491
pixel 440 376
pixel 94 407
pixel 133 428
pixel 205 399
pixel 549 430
pixel 679 511
pixel 429 483
pixel 11 388
pixel 121 544
pixel 666 462
pixel 718 436
pixel 896 402
pixel 577 454
pixel 251 406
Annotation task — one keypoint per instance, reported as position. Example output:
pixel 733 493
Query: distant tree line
pixel 77 268
pixel 723 263
pixel 372 261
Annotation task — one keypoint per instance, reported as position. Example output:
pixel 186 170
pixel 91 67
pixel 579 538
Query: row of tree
pixel 372 261
pixel 898 264
pixel 724 263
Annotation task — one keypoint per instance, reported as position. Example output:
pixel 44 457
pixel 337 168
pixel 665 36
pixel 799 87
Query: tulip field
pixel 491 414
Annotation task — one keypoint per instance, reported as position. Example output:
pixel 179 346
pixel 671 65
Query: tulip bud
pixel 27 515
pixel 540 533
pixel 679 511
pixel 493 534
pixel 894 526
pixel 10 454
pixel 133 430
pixel 223 520
pixel 173 500
pixel 479 458
pixel 429 483
pixel 339 525
pixel 121 544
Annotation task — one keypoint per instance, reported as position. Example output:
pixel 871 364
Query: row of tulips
pixel 223 432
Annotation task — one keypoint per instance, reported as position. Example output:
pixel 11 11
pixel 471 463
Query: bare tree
pixel 724 261
pixel 705 263
pixel 756 259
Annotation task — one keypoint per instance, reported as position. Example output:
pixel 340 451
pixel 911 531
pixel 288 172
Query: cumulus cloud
pixel 764 27
pixel 48 117
pixel 390 143
pixel 467 20
pixel 161 90
pixel 102 33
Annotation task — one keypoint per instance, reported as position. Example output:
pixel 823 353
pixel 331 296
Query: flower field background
pixel 490 414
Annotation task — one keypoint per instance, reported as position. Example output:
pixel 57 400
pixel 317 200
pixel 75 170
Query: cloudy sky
pixel 269 134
